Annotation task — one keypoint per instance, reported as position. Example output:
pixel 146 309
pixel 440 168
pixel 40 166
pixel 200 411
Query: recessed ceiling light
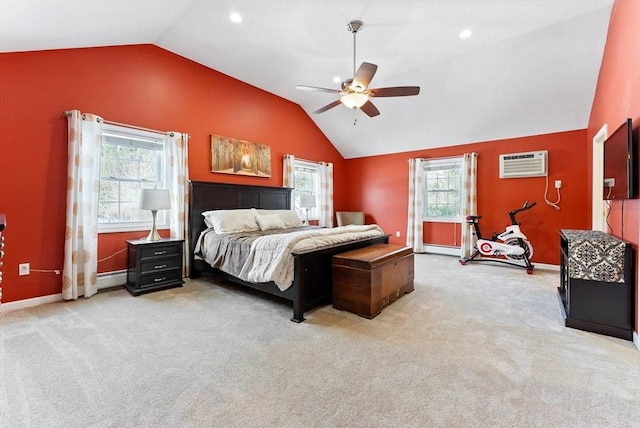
pixel 337 79
pixel 235 17
pixel 465 34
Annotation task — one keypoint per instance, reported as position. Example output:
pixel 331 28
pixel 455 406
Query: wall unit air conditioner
pixel 528 164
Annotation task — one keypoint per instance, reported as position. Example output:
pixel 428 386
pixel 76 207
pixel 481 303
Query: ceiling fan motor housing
pixel 354 26
pixel 349 86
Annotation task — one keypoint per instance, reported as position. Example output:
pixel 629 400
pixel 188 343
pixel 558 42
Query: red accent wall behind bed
pixel 141 85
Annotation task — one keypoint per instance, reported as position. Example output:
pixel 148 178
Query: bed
pixel 312 278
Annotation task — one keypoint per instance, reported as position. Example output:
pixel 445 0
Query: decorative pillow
pixel 229 221
pixel 270 222
pixel 288 217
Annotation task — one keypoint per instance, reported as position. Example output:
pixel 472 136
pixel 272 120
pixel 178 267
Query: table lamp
pixel 154 200
pixel 306 202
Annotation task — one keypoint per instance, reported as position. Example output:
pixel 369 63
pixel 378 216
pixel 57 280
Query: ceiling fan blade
pixel 328 107
pixel 369 109
pixel 317 89
pixel 363 76
pixel 396 91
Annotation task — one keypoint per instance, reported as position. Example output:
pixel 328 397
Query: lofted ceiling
pixel 530 66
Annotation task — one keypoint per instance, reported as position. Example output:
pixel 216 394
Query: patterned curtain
pixel 325 194
pixel 416 205
pixel 80 267
pixel 469 201
pixel 289 171
pixel 178 174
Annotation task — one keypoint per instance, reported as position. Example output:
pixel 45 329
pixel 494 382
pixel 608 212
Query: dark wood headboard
pixel 206 196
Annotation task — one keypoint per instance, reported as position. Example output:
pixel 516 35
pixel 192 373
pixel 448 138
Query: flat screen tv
pixel 620 164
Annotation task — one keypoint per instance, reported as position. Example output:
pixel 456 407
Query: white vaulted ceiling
pixel 529 68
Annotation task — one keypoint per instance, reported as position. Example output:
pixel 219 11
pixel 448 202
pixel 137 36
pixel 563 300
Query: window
pixel 443 189
pixel 130 160
pixel 306 183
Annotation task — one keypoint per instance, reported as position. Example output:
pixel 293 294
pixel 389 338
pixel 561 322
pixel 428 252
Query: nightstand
pixel 154 265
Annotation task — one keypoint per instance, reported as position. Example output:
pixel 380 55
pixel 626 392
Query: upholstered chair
pixel 349 217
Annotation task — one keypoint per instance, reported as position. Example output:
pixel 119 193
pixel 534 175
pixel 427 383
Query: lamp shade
pixel 307 201
pixel 354 99
pixel 155 199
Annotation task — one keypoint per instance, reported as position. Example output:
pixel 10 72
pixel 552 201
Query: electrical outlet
pixel 609 182
pixel 397 233
pixel 23 269
pixel 558 184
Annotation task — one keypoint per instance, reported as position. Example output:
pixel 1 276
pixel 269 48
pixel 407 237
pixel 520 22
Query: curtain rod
pixel 303 160
pixel 126 125
pixel 307 160
pixel 443 157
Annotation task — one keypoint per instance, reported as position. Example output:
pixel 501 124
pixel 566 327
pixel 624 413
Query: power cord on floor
pixel 546 189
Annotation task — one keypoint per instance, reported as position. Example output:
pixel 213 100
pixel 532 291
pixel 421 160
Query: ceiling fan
pixel 355 92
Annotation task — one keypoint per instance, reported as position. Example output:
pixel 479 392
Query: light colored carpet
pixel 475 345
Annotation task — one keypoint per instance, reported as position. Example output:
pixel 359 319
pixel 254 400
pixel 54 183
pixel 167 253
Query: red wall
pixel 382 183
pixel 618 98
pixel 141 85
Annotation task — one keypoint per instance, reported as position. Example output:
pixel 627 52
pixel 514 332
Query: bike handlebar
pixel 525 207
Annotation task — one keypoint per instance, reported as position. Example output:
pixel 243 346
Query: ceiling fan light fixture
pixel 354 99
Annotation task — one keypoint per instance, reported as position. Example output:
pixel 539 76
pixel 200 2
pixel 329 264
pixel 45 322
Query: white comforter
pixel 271 260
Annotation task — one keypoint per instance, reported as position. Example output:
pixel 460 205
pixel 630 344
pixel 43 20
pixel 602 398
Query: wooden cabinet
pixel 154 265
pixel 597 282
pixel 368 279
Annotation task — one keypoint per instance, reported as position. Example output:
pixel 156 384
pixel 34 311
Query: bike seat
pixel 473 217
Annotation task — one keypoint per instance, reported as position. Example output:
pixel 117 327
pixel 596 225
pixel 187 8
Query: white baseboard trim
pixel 112 279
pixel 28 303
pixel 105 280
pixel 455 251
pixel 546 266
pixel 441 249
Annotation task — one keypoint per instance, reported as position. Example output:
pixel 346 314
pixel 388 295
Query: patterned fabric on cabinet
pixel 595 255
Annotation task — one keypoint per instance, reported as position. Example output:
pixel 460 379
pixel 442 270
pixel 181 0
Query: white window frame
pixel 449 163
pixel 313 168
pixel 143 139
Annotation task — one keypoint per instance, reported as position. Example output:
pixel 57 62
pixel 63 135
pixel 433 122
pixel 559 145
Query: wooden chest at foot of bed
pixel 370 278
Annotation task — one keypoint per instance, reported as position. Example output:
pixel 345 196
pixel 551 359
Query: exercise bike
pixel 511 244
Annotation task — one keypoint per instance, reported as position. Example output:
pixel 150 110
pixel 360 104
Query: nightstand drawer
pixel 154 265
pixel 160 251
pixel 161 278
pixel 160 265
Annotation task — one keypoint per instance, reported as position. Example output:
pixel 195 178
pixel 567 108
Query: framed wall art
pixel 234 156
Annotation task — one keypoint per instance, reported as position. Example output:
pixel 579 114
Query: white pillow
pixel 229 221
pixel 270 222
pixel 288 217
